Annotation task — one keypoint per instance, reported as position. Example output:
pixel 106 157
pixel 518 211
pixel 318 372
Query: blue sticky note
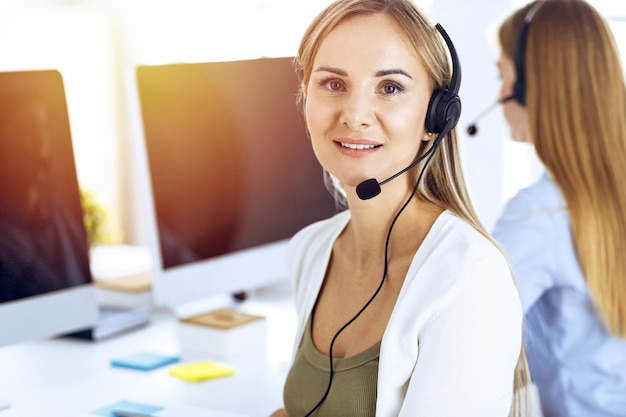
pixel 127 406
pixel 144 361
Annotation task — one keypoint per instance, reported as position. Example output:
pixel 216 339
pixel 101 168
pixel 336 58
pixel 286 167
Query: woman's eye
pixel 333 85
pixel 391 88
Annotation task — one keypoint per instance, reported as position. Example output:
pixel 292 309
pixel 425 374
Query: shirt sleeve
pixel 468 353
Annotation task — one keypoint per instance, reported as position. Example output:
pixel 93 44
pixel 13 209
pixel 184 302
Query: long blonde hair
pixel 443 183
pixel 576 108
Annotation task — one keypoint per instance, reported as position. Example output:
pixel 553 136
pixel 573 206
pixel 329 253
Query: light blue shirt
pixel 579 368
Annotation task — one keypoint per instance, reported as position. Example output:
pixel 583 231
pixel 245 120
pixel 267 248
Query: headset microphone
pixel 472 129
pixel 370 188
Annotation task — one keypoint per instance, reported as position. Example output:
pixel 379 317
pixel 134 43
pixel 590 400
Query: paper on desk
pixel 144 360
pixel 125 405
pixel 188 411
pixel 200 371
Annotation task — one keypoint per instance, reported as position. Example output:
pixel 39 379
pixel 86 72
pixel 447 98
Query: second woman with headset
pixel 566 233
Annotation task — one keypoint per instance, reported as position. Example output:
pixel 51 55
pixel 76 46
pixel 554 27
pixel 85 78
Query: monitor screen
pixel 232 173
pixel 45 282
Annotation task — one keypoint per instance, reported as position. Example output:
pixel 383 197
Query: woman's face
pixel 514 113
pixel 366 100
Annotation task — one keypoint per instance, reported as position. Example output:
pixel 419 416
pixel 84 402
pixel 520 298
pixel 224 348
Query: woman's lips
pixel 357 148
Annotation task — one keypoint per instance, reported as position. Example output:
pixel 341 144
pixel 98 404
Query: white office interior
pixel 97 46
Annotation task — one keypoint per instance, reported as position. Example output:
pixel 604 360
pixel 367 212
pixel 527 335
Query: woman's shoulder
pixel 455 251
pixel 451 233
pixel 543 196
pixel 535 217
pixel 458 265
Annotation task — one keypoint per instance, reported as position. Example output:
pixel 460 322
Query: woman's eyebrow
pixel 381 73
pixel 393 71
pixel 334 70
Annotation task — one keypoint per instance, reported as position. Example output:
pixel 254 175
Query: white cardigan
pixel 454 337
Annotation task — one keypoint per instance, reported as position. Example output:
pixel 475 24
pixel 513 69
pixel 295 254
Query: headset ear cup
pixel 442 108
pixel 452 111
pixel 434 110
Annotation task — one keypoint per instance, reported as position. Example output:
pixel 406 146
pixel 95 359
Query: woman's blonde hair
pixel 576 108
pixel 443 183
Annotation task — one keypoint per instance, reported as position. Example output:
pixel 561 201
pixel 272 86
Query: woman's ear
pixel 428 136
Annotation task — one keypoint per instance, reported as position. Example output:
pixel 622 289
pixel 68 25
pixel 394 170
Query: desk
pixel 69 378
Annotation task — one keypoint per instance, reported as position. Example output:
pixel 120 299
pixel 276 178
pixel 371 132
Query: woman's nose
pixel 357 111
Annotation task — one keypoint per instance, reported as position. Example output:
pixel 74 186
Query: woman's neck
pixel 365 236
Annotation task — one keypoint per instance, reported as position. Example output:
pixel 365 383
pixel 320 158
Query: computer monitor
pixel 232 175
pixel 45 283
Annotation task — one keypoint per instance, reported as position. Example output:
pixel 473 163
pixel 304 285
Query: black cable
pixel 430 151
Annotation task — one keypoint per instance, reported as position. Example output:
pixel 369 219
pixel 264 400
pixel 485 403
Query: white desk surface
pixel 71 378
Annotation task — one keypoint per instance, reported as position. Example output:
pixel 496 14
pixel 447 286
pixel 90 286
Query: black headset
pixel 445 105
pixel 519 87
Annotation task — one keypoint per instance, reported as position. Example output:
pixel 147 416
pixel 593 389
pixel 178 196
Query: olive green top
pixel 353 391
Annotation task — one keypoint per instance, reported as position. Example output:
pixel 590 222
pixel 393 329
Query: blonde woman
pixel 405 306
pixel 566 234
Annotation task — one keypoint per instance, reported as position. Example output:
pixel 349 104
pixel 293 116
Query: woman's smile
pixel 357 148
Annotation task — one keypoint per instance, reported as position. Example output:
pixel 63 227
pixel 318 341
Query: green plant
pixel 95 218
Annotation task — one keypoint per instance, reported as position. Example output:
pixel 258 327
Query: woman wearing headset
pixel 566 234
pixel 405 305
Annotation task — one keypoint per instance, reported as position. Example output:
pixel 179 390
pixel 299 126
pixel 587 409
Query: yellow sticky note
pixel 200 371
